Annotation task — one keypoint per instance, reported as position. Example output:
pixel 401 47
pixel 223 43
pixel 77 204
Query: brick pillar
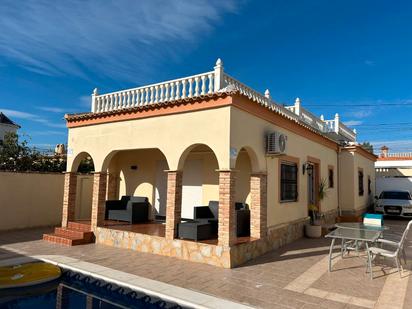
pixel 174 203
pixel 258 208
pixel 99 198
pixel 227 215
pixel 112 185
pixel 69 198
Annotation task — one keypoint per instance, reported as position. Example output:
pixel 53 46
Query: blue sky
pixel 350 57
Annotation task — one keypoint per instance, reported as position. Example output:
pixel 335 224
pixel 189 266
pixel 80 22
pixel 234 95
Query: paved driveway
pixel 295 276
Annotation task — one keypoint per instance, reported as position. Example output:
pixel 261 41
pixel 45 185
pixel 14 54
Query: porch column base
pixel 227 215
pixel 258 208
pixel 69 198
pixel 99 198
pixel 174 203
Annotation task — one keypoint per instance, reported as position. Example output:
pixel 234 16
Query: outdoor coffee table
pixel 355 234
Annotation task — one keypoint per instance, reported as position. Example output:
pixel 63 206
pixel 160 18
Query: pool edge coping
pixel 163 290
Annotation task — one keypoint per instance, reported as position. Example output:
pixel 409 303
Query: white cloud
pixel 47 132
pixel 360 112
pixel 32 117
pixel 85 101
pixel 353 122
pixel 121 39
pixel 370 63
pixel 53 109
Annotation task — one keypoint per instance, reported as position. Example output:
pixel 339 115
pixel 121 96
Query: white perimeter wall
pixel 393 183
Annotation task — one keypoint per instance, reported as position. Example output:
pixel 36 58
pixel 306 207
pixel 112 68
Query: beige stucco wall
pixel 368 167
pixel 34 199
pixel 172 134
pixel 347 181
pixel 249 131
pixel 350 163
pixel 30 199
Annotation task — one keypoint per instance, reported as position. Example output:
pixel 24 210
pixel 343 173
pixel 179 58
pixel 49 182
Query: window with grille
pixel 360 182
pixel 331 178
pixel 288 182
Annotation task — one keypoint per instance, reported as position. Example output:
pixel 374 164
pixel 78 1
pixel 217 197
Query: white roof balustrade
pixel 208 83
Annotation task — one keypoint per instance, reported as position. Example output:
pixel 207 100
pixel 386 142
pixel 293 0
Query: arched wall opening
pixel 243 169
pixel 200 178
pixel 83 165
pixel 140 172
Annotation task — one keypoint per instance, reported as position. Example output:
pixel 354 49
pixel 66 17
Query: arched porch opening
pixel 195 213
pixel 136 191
pixel 83 167
pixel 200 179
pixel 250 195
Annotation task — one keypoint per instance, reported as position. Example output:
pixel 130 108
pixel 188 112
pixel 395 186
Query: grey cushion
pixel 138 199
pixel 214 208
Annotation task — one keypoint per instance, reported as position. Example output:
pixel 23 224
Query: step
pixel 80 226
pixel 64 240
pixel 61 231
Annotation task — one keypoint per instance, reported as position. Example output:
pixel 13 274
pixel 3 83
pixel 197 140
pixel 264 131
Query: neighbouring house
pixel 7 126
pixel 393 171
pixel 208 139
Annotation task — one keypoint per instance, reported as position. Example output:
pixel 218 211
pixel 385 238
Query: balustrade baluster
pixel 121 100
pixel 184 89
pixel 177 90
pixel 113 102
pixel 151 94
pixel 156 93
pixel 138 94
pixel 203 84
pixel 172 91
pixel 190 87
pixel 141 97
pixel 167 93
pixel 196 86
pixel 161 93
pixel 129 97
pixel 105 102
pixel 146 101
pixel 211 83
pixel 133 99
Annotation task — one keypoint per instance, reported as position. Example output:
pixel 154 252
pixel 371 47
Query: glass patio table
pixel 355 234
pixel 362 226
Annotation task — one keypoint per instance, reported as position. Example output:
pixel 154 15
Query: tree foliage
pixel 17 156
pixel 368 146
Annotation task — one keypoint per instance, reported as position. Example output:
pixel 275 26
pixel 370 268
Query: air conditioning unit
pixel 276 143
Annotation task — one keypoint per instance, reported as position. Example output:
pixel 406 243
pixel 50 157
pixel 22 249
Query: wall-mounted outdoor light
pixel 307 167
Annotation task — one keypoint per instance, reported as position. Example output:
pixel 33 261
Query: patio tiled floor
pixel 293 277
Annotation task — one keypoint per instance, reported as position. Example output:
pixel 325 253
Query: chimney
pixel 384 152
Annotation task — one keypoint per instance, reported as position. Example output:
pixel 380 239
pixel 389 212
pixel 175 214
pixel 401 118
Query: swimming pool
pixel 76 291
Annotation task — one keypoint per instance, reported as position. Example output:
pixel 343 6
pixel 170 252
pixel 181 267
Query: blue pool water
pixel 76 291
